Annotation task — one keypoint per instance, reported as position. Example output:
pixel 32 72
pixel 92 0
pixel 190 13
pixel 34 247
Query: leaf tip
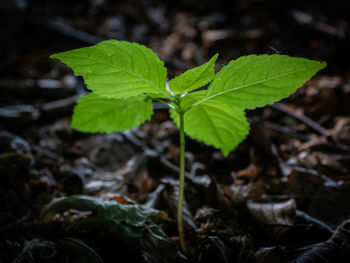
pixel 53 56
pixel 225 152
pixel 323 64
pixel 215 57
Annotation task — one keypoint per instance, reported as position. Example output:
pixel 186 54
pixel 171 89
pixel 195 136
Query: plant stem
pixel 182 184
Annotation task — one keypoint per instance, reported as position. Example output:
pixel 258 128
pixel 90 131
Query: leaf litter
pixel 239 207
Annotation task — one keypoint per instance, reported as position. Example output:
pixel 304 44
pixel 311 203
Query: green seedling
pixel 126 77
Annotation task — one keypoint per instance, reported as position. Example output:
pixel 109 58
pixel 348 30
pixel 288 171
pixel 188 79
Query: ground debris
pixel 113 197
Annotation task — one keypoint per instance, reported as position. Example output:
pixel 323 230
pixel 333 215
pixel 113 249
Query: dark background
pixel 296 151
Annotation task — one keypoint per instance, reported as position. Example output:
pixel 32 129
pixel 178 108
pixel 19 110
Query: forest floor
pixel 282 195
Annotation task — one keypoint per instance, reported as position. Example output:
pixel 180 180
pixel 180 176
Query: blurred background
pixel 297 153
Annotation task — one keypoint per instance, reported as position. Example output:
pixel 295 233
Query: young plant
pixel 125 77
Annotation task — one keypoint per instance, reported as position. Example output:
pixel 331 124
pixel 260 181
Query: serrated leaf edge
pixel 209 63
pixel 324 64
pixel 119 106
pixel 118 69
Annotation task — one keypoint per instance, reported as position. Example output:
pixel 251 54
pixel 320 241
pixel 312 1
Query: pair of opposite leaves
pixel 122 75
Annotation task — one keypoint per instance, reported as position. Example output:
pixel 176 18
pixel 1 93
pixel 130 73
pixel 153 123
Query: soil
pixel 281 196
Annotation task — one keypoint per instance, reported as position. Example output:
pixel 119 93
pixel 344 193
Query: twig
pixel 286 130
pixel 67 30
pixel 297 115
pixel 314 221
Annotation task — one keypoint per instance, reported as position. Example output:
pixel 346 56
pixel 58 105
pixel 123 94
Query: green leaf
pixel 125 222
pixel 118 69
pixel 213 123
pixel 194 78
pixel 255 81
pixel 97 114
